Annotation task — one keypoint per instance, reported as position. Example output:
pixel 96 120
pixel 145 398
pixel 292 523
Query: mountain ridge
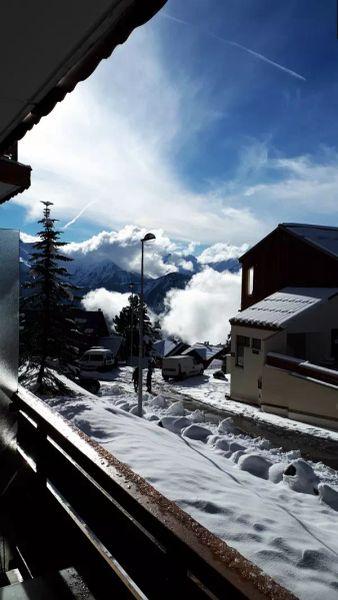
pixel 100 272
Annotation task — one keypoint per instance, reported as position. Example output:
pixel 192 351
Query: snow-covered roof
pixel 276 310
pixel 163 347
pixel 112 343
pixel 321 236
pixel 205 351
pixel 97 350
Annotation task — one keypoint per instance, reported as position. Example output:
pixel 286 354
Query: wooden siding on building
pixel 283 260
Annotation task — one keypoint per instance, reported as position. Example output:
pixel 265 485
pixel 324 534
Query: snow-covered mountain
pixel 95 269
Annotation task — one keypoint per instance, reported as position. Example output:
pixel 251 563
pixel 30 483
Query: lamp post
pixel 131 287
pixel 147 237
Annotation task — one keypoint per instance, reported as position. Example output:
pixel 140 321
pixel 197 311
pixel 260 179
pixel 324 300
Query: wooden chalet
pixel 284 340
pixel 292 255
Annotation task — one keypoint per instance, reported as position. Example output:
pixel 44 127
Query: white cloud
pixel 123 248
pixel 202 310
pixel 219 252
pixel 111 303
pixel 27 238
pixel 111 145
pixel 187 265
pixel 288 184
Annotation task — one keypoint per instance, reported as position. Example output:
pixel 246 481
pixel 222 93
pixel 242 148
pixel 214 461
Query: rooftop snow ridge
pixel 311 225
pixel 276 310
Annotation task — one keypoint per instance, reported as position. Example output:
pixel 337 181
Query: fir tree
pixel 127 322
pixel 48 328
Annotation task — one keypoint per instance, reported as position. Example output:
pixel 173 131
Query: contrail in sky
pixel 231 43
pixel 79 214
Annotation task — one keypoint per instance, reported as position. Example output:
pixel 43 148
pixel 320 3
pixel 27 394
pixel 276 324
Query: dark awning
pixel 48 47
pixel 14 178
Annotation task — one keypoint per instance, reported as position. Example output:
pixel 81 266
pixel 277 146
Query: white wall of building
pixel 316 323
pixel 245 380
pixel 298 397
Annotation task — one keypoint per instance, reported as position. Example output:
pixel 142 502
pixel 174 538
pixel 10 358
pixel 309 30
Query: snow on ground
pixel 215 393
pixel 270 505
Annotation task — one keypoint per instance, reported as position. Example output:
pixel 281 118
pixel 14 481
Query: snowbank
pixel 291 535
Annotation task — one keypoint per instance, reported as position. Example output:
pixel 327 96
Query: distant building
pixel 178 348
pixel 92 324
pixel 161 348
pixel 112 343
pixel 94 331
pixel 284 341
pixel 205 352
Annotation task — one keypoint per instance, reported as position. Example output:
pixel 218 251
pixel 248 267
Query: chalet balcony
pixel 75 522
pixel 14 176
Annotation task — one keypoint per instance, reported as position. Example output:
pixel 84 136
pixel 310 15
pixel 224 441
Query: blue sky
pixel 184 130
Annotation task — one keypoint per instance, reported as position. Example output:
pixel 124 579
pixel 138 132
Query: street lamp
pixel 147 238
pixel 131 287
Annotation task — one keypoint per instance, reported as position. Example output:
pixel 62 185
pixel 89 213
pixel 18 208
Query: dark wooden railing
pixel 151 548
pixel 302 367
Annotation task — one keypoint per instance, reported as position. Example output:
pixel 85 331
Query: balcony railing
pixel 302 367
pixel 117 530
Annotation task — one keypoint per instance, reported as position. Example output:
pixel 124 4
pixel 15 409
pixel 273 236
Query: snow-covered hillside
pixel 275 508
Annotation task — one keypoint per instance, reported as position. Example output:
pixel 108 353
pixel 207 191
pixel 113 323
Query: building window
pixel 256 345
pixel 241 342
pixel 250 281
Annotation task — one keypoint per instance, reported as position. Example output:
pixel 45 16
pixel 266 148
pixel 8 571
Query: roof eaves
pixel 256 324
pixel 135 15
pixel 285 227
pixel 240 259
pixel 15 174
pixel 11 194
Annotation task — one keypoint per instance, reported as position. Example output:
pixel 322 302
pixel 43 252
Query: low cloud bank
pixel 162 255
pixel 198 313
pixel 219 252
pixel 111 303
pixel 202 310
pixel 123 248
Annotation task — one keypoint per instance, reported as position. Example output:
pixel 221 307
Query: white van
pixel 97 359
pixel 180 366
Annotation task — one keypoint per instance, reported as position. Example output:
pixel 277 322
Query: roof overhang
pixel 50 47
pixel 259 243
pixel 14 178
pixel 254 325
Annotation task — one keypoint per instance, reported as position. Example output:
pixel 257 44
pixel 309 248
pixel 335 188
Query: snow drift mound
pixel 255 464
pixel 196 432
pixel 300 477
pixel 328 495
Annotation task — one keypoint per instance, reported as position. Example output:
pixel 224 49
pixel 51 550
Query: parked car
pixel 178 367
pixel 97 359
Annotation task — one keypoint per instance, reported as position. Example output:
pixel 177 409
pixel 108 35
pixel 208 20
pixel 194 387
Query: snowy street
pixel 230 482
pixel 211 396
